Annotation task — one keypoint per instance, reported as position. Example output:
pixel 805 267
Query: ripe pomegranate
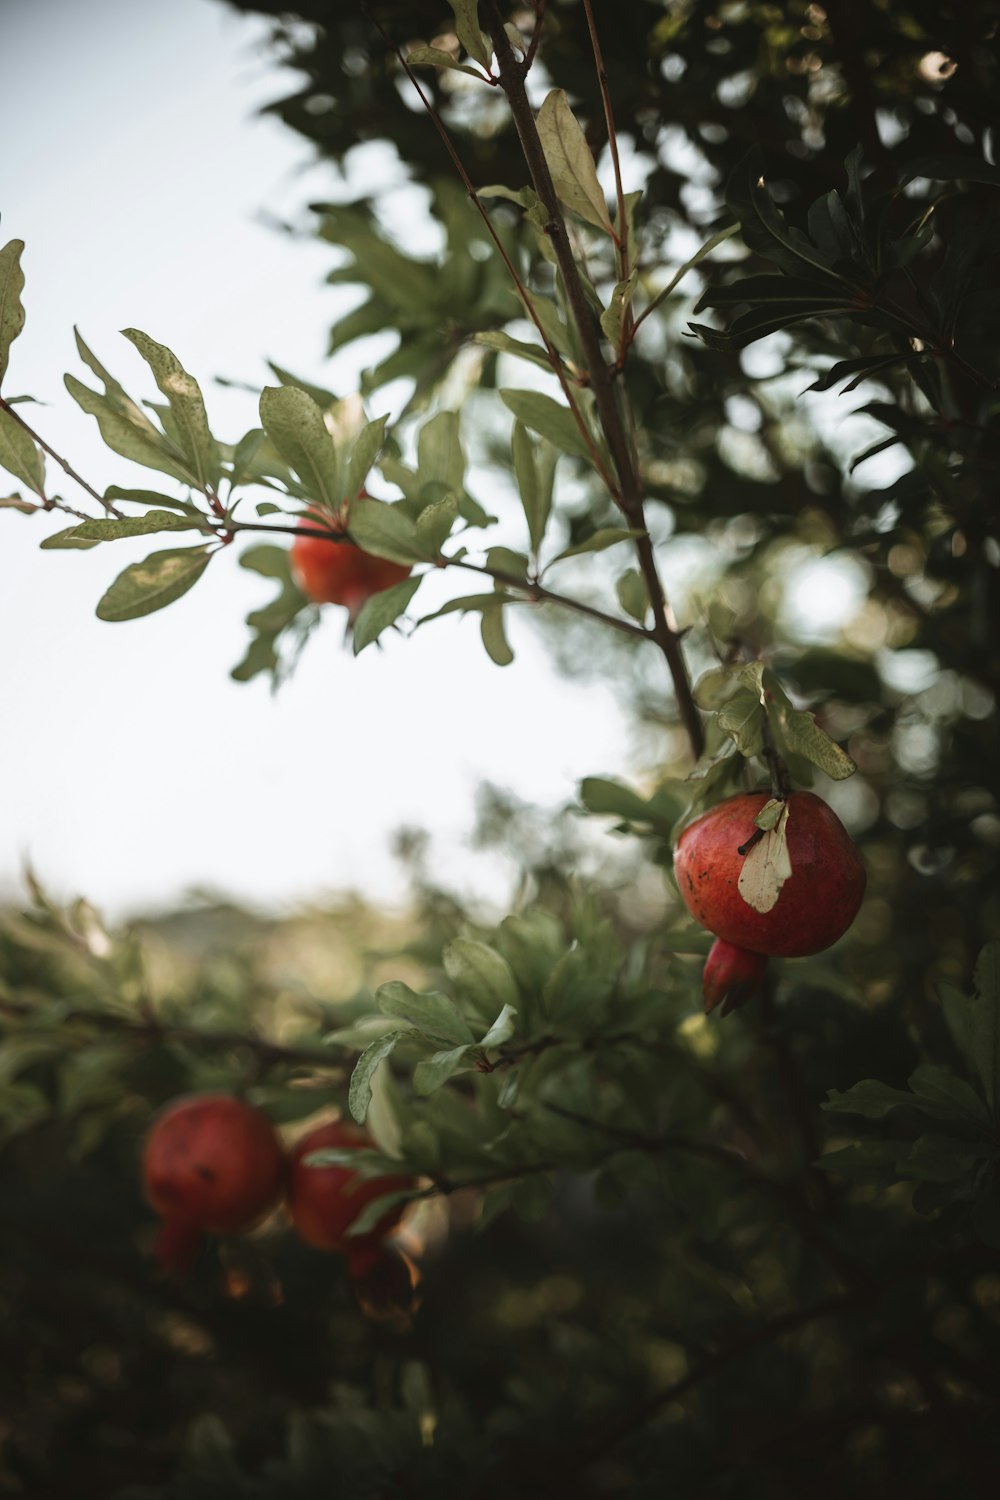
pixel 325 1201
pixel 338 572
pixel 803 912
pixel 212 1163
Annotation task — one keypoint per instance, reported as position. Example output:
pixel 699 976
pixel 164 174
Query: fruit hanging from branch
pixel 769 876
pixel 325 1201
pixel 212 1164
pixel 338 572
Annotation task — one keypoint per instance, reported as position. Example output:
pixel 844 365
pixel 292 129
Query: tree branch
pixel 628 490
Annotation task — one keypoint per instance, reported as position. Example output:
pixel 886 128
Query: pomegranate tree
pixel 787 888
pixel 212 1163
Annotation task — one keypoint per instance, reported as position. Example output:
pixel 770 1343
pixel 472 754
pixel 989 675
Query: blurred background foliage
pixel 664 1287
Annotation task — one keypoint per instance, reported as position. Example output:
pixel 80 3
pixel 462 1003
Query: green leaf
pixel 130 433
pixel 151 585
pixel 502 1029
pixel 19 455
pixel 689 265
pixel 873 1100
pixel 294 423
pixel 598 541
pixel 467 30
pixel 186 404
pixel 439 451
pixel 17 502
pixel 633 595
pixel 376 1209
pixel 503 560
pixel 742 718
pixel 494 635
pixel 974 1023
pixel 432 1072
pixel 360 1092
pixel 11 306
pixel 946 168
pixel 89 533
pixel 604 797
pixel 433 57
pixel 503 343
pixel 865 1161
pixel 570 161
pixel 549 418
pixel 481 974
pixel 940 1086
pixel 267 560
pixel 941 1158
pixel 151 497
pixel 613 315
pixel 536 496
pixel 387 531
pixel 367 446
pixel 433 1014
pixel 435 522
pixel 382 610
pixel 801 735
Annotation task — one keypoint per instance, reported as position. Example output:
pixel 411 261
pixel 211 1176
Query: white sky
pixel 133 768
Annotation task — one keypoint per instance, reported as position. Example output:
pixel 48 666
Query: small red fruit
pixel 338 572
pixel 325 1201
pixel 814 905
pixel 212 1163
pixel 732 976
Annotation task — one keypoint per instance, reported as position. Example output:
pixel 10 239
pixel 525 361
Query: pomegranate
pixel 325 1201
pixel 338 572
pixel 386 1284
pixel 732 976
pixel 787 892
pixel 212 1163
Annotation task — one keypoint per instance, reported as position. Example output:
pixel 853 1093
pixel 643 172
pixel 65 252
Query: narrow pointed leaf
pixel 294 423
pixel 151 585
pixel 186 405
pixel 11 306
pixel 359 1094
pixel 19 455
pixel 382 610
pixel 570 161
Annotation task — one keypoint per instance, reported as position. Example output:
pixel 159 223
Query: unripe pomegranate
pixel 325 1201
pixel 338 572
pixel 212 1163
pixel 779 912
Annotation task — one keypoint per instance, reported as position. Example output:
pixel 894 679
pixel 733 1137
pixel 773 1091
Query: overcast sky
pixel 133 768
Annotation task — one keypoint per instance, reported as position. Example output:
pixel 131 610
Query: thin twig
pixel 628 490
pixel 522 291
pixel 66 467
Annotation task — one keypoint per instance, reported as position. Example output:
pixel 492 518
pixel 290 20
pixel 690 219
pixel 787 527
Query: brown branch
pixel 78 478
pixel 628 491
pixel 153 1029
pixel 522 291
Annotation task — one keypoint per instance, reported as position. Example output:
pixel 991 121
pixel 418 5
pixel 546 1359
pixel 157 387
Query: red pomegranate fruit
pixel 325 1201
pixel 338 572
pixel 212 1163
pixel 786 893
pixel 732 976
